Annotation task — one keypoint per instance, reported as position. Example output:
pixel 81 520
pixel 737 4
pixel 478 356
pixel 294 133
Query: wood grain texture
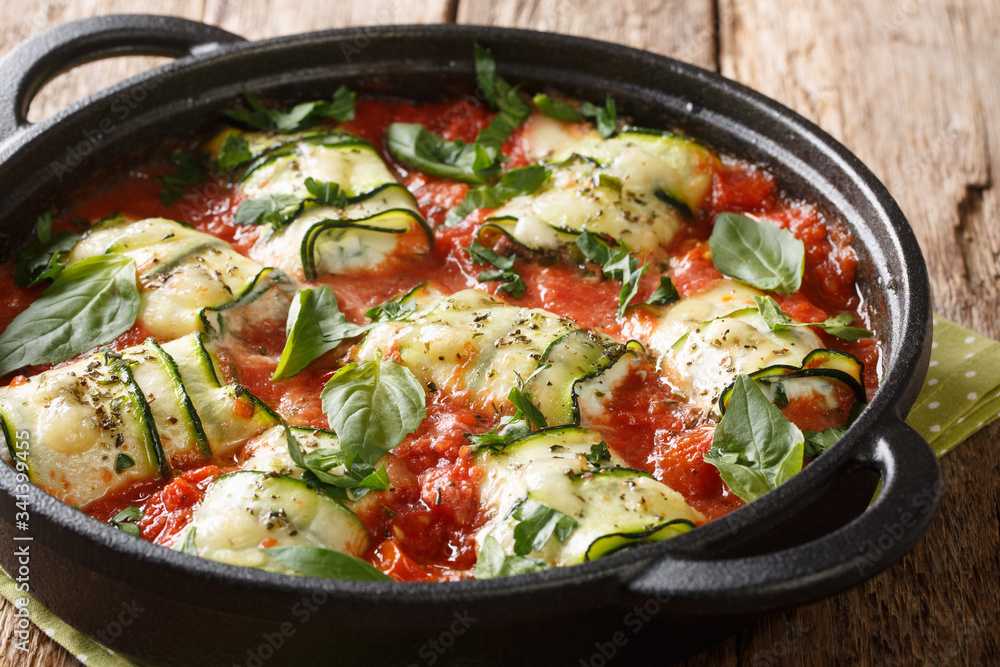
pixel 23 19
pixel 259 20
pixel 683 29
pixel 910 86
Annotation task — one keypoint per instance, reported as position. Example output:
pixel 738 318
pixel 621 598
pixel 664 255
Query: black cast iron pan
pixel 806 540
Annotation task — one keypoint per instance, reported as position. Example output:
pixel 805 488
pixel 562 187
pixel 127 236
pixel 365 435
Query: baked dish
pixel 369 339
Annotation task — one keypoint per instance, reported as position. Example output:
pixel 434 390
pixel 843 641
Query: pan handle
pixel 36 61
pixel 906 507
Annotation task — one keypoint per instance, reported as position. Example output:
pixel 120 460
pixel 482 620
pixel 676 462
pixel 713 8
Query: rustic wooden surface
pixel 911 87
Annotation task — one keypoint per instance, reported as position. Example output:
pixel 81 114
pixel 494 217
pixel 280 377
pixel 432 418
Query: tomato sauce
pixel 423 530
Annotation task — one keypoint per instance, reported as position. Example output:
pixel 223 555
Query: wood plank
pixel 682 29
pixel 910 88
pixel 260 20
pixel 23 19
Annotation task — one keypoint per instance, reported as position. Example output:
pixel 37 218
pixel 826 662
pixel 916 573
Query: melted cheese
pixel 79 419
pixel 380 221
pixel 247 510
pixel 683 168
pixel 551 468
pixel 476 343
pixel 706 340
pixel 181 271
pixel 576 199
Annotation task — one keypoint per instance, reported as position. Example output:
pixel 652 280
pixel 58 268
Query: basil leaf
pixel 325 563
pixel 518 425
pixel 123 462
pixel 128 528
pixel 757 253
pixel 269 209
pixel 499 94
pixel 90 303
pixel 522 400
pixel 326 192
pixel 593 249
pixel 817 442
pixel 377 480
pixel 292 119
pixel 342 106
pixel 298 117
pixel 516 182
pixel 665 294
pixel 616 265
pixel 235 151
pixel 125 520
pixel 510 282
pixel 360 478
pixel 190 169
pixel 131 513
pixel 755 447
pixel 373 405
pixel 188 546
pixel 605 118
pixel 598 453
pixel 482 255
pixel 630 288
pixel 537 524
pixel 486 74
pixel 391 311
pixel 774 317
pixel 419 148
pixel 43 227
pixel 315 326
pixel 838 325
pixel 493 562
pixel 46 257
pixel 555 109
pixel 489 142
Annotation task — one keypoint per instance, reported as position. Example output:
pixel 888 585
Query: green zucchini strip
pixel 704 341
pixel 359 231
pixel 814 376
pixel 477 343
pixel 637 188
pixel 182 272
pixel 245 509
pixel 613 506
pixel 115 420
pixel 85 431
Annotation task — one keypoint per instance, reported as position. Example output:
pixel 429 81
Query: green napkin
pixel 83 647
pixel 962 391
pixel 960 396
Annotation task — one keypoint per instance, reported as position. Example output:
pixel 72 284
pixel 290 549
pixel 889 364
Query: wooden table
pixel 912 87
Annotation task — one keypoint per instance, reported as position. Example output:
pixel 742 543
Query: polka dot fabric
pixel 962 391
pixel 961 395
